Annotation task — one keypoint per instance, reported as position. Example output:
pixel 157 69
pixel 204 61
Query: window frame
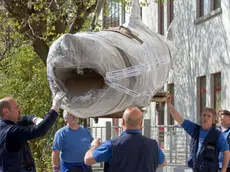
pixel 200 8
pixel 213 10
pixel 214 5
pixel 200 91
pixel 170 11
pixel 160 17
pixel 214 88
pixel 171 89
pixel 115 12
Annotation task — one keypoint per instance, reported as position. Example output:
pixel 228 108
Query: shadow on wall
pixel 202 48
pixel 182 63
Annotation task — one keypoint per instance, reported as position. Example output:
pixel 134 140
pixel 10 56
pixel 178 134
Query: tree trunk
pixel 41 48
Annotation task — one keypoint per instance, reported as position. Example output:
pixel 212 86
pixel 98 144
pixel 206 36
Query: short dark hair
pixel 224 112
pixel 4 104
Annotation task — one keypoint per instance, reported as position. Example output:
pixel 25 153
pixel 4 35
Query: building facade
pixel 200 32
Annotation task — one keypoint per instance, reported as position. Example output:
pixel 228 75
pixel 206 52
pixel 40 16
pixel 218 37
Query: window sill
pixel 208 16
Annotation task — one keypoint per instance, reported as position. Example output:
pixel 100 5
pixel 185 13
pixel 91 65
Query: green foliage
pixel 162 1
pixel 41 22
pixel 25 79
pixel 9 37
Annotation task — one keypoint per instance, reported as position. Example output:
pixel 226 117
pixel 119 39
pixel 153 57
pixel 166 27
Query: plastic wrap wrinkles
pixel 123 71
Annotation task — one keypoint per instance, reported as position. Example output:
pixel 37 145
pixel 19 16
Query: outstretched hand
pixel 169 98
pixel 57 100
pixel 96 142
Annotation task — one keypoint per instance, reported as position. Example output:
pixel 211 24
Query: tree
pixel 40 22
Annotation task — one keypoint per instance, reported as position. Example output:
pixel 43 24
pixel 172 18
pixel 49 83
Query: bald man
pixel 15 155
pixel 131 152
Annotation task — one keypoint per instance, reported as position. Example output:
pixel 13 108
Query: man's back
pixel 133 152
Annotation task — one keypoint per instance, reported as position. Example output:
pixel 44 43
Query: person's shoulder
pixel 107 143
pixel 115 138
pixel 62 130
pixel 154 141
pixel 220 135
pixel 190 122
pixel 217 131
pixel 84 128
pixel 13 128
pixel 81 128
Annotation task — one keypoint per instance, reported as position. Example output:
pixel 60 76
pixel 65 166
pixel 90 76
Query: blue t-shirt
pixel 225 133
pixel 72 144
pixel 104 152
pixel 189 127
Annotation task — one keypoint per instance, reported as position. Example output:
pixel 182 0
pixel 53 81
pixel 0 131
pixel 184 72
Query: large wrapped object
pixel 105 72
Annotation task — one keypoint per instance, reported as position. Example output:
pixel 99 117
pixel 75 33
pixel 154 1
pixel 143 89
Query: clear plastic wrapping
pixel 105 72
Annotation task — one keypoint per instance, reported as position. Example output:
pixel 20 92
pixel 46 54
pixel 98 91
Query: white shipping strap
pixel 136 70
pixel 133 71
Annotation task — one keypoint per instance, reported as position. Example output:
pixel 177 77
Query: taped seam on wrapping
pixel 126 90
pixel 136 70
pixel 133 71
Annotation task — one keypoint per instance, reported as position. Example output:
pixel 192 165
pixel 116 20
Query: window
pixel 170 8
pixel 200 8
pixel 113 18
pixel 160 17
pixel 201 95
pixel 216 4
pixel 216 91
pixel 204 7
pixel 171 91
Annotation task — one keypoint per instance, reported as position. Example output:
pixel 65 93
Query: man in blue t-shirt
pixel 131 151
pixel 208 118
pixel 224 120
pixel 70 145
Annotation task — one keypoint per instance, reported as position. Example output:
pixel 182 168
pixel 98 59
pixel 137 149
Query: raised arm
pixel 89 158
pixel 22 133
pixel 177 117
